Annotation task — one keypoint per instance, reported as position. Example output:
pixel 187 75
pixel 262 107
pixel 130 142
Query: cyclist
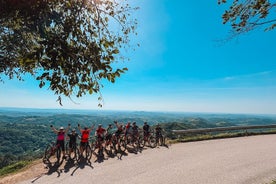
pixel 108 134
pixel 146 129
pixel 135 130
pixel 84 137
pixel 128 129
pixel 118 133
pixel 72 140
pixel 100 133
pixel 120 129
pixel 60 137
pixel 158 133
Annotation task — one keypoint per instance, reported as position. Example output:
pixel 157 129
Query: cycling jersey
pixel 129 129
pixel 100 131
pixel 158 131
pixel 73 137
pixel 135 129
pixel 60 136
pixel 146 128
pixel 118 132
pixel 109 130
pixel 85 135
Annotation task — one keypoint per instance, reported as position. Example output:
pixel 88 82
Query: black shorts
pixel 159 135
pixel 117 134
pixel 135 133
pixel 61 144
pixel 146 134
pixel 108 137
pixel 100 138
pixel 83 144
pixel 72 144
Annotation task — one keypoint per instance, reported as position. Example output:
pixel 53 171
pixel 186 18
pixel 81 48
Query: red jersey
pixel 85 135
pixel 100 131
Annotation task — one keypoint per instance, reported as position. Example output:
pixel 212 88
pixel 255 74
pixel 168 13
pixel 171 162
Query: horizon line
pixel 147 111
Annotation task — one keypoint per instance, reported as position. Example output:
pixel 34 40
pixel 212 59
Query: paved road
pixel 245 160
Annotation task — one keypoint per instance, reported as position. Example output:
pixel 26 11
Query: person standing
pixel 61 137
pixel 72 140
pixel 85 133
pixel 146 129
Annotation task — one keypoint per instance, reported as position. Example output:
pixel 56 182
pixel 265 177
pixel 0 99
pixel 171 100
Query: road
pixel 245 160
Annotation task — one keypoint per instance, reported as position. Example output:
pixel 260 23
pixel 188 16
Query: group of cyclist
pixel 101 134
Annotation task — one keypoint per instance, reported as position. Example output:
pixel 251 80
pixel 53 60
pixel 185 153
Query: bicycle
pixel 98 144
pixel 148 139
pixel 72 152
pixel 134 141
pixel 52 150
pixel 110 146
pixel 86 148
pixel 118 143
pixel 159 139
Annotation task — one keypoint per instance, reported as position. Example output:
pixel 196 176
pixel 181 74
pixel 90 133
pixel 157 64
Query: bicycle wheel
pixel 128 140
pixel 93 147
pixel 164 140
pixel 88 152
pixel 109 148
pixel 158 140
pixel 122 145
pixel 152 141
pixel 67 149
pixel 74 153
pixel 142 141
pixel 47 154
pixel 58 153
pixel 136 144
pixel 115 144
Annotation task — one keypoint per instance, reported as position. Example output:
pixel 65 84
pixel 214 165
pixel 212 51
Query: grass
pixel 201 137
pixel 13 168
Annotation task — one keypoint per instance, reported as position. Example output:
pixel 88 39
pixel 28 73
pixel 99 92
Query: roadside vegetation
pixel 201 137
pixel 13 168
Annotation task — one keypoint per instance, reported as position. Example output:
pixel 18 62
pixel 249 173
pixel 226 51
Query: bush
pixel 13 167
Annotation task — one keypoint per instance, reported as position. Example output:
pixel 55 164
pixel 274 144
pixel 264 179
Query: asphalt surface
pixel 245 160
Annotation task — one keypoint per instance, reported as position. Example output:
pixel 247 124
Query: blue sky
pixel 182 64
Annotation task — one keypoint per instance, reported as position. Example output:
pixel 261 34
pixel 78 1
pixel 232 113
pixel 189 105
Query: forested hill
pixel 25 133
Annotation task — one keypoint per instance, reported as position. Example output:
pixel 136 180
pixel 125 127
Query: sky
pixel 184 63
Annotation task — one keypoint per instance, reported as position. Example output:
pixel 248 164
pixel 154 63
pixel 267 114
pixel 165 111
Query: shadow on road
pixel 69 164
pixel 83 162
pixel 81 165
pixel 52 168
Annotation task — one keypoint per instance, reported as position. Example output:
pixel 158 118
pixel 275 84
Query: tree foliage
pixel 246 15
pixel 67 45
